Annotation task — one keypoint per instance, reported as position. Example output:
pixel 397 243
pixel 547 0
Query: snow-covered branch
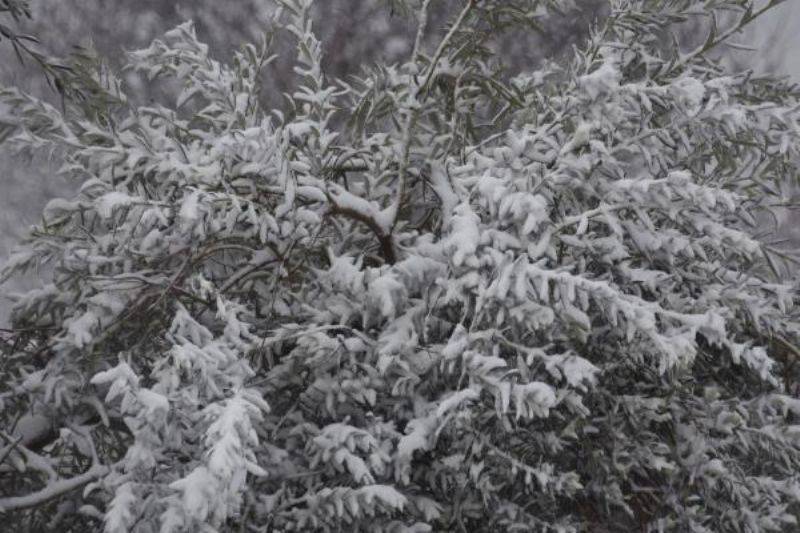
pixel 53 490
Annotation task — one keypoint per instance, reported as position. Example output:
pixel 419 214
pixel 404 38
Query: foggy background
pixel 355 31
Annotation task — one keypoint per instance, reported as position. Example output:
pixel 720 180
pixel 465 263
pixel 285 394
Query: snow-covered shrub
pixel 429 298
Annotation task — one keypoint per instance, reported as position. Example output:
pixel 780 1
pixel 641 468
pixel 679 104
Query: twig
pixel 748 17
pixel 393 211
pixel 423 23
pixel 10 448
pixel 437 56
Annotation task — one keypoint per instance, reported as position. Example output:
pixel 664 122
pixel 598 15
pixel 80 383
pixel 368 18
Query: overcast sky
pixel 792 33
pixel 784 22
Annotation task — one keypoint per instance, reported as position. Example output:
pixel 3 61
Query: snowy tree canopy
pixel 432 297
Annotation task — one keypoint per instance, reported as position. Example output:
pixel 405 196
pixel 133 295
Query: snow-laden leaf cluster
pixel 429 298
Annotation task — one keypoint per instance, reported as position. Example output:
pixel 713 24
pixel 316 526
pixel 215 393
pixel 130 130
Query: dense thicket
pixel 353 33
pixel 435 296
